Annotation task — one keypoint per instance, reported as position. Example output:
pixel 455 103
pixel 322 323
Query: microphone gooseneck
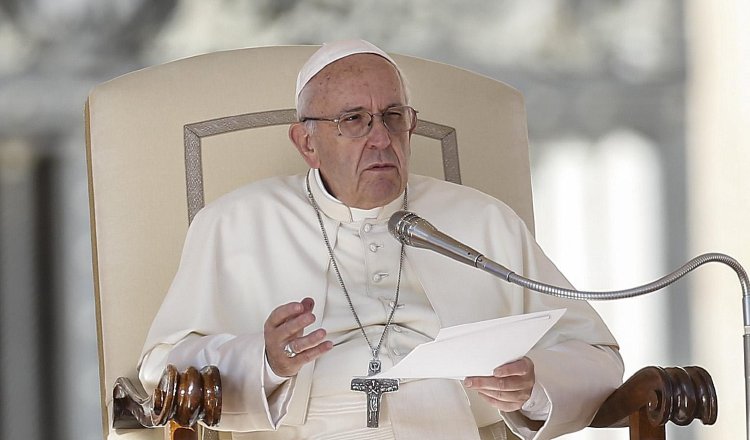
pixel 412 230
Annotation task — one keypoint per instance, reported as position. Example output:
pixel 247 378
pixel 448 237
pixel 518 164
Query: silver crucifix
pixel 374 388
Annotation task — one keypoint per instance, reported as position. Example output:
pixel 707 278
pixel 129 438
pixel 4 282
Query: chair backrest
pixel 164 140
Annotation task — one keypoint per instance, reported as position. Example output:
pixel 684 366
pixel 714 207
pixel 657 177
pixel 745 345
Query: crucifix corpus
pixel 374 388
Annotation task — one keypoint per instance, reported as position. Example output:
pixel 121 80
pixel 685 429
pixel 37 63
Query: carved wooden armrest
pixel 184 399
pixel 654 396
pixel 646 402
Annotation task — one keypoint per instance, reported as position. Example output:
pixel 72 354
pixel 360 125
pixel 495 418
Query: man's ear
pixel 300 137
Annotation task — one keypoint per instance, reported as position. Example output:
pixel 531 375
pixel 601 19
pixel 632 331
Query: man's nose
pixel 379 136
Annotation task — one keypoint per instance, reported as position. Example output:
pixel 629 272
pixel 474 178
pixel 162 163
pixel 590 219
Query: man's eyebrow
pixel 353 109
pixel 360 108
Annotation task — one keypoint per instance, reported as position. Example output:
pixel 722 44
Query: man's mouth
pixel 380 167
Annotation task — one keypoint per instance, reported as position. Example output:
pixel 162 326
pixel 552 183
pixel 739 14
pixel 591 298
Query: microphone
pixel 412 230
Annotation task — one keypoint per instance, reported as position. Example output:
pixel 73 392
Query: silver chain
pixel 375 350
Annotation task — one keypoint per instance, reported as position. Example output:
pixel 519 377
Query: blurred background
pixel 639 119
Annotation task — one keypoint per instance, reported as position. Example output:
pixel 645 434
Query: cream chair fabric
pixel 163 141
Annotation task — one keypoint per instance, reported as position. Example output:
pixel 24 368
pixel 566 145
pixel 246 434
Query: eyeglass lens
pixel 396 120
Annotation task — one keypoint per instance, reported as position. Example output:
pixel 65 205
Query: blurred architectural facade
pixel 607 86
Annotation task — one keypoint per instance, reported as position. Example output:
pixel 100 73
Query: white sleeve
pixel 252 400
pixel 271 380
pixel 538 406
pixel 576 378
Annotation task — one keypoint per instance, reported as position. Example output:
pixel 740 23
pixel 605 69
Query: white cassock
pixel 261 246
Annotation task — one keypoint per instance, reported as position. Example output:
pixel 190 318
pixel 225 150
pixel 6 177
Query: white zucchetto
pixel 331 52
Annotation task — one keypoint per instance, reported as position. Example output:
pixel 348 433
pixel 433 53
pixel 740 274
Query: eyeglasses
pixel 357 124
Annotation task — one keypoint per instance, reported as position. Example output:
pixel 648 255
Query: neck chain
pixel 375 350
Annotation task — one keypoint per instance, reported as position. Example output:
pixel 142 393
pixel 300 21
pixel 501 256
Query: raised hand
pixel 287 347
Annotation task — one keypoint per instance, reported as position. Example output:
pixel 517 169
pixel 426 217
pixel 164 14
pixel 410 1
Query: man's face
pixel 363 172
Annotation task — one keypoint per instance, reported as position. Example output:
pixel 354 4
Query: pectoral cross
pixel 374 388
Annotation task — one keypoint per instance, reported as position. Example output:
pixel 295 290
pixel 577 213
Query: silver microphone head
pixel 399 224
pixel 409 228
pixel 412 230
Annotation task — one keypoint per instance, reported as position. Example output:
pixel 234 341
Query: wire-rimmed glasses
pixel 359 123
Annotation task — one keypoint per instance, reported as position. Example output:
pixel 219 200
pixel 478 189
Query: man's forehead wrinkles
pixel 362 108
pixel 353 109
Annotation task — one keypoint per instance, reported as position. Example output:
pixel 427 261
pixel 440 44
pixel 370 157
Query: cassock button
pixel 396 328
pixel 374 247
pixel 379 276
pixel 368 227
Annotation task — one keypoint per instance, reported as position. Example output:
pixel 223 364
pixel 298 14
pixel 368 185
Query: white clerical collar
pixel 335 209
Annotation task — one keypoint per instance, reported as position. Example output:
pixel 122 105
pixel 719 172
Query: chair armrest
pixel 654 394
pixel 660 395
pixel 184 398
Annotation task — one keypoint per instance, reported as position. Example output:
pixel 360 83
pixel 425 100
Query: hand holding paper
pixel 475 349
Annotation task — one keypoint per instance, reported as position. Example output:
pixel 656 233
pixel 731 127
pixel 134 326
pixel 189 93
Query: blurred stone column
pixel 719 193
pixel 21 326
pixel 51 54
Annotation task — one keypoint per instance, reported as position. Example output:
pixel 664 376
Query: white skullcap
pixel 331 52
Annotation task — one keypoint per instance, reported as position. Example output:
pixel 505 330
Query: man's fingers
pixel 287 367
pixel 505 402
pixel 294 326
pixel 509 383
pixel 312 353
pixel 283 313
pixel 290 310
pixel 290 319
pixel 308 304
pixel 284 335
pixel 299 345
pixel 506 396
pixel 509 387
pixel 521 367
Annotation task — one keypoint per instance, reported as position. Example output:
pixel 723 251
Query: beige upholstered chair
pixel 163 141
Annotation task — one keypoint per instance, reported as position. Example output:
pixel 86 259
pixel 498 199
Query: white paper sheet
pixel 474 349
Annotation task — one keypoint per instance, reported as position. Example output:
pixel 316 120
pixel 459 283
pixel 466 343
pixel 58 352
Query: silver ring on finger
pixel 289 351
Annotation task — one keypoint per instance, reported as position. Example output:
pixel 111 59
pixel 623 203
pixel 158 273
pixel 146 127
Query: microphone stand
pixel 510 276
pixel 410 229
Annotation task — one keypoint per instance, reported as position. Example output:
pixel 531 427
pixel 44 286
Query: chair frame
pixel 649 400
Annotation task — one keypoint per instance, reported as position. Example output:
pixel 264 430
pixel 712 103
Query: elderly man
pixel 349 300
